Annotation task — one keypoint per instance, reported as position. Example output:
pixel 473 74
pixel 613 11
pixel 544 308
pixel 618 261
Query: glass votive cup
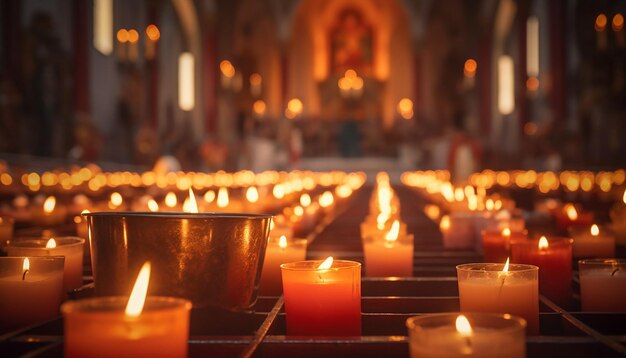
pixel 386 258
pixel 29 292
pixel 99 326
pixel 497 245
pixel 493 335
pixel 587 245
pixel 324 302
pixel 69 247
pixel 276 254
pixel 485 287
pixel 602 285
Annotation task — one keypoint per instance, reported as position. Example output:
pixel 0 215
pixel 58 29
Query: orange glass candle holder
pixel 384 258
pixel 485 287
pixel 322 302
pixel 279 251
pixel 98 327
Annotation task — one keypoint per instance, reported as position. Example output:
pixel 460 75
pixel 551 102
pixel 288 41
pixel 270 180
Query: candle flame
pixel 472 203
pixel 463 326
pixel 26 264
pixel 51 244
pixel 381 219
pixel 278 191
pixel 140 289
pixel 282 242
pixel 506 232
pixel 489 204
pixel 190 205
pixel 209 196
pixel 624 197
pixel 222 197
pixel 458 194
pixel 153 206
pixel 327 199
pixel 543 243
pixel 49 204
pixel 116 199
pixel 170 200
pixel 571 212
pixel 252 194
pixel 298 210
pixel 328 263
pixel 506 265
pixel 393 233
pixel 445 223
pixel 595 230
pixel 305 200
pixel 432 211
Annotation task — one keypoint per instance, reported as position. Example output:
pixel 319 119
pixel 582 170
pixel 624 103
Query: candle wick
pixel 614 271
pixel 24 275
pixel 468 346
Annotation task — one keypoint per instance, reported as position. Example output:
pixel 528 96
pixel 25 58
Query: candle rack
pixel 386 304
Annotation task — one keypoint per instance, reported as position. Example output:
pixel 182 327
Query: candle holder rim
pixel 349 265
pixel 602 261
pixel 292 240
pixel 605 230
pixel 517 321
pixel 177 215
pixel 33 258
pixel 499 231
pixel 19 242
pixel 514 267
pixel 552 241
pixel 95 305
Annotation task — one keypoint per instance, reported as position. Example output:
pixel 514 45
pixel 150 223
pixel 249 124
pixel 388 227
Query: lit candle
pixel 457 231
pixel 467 335
pixel 253 205
pixel 570 216
pixel 49 214
pixel 497 243
pixel 280 227
pixel 6 230
pixel 603 285
pixel 391 255
pixel 69 247
pixel 170 202
pixel 618 220
pixel 82 229
pixel 31 290
pixel 134 327
pixel 279 252
pixel 593 241
pixel 554 259
pixel 497 288
pixel 322 298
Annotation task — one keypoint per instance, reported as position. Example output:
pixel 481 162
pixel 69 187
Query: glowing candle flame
pixel 282 242
pixel 543 243
pixel 26 264
pixel 51 244
pixel 278 191
pixel 305 200
pixel 116 199
pixel 190 205
pixel 458 194
pixel 624 197
pixel 489 204
pixel 153 206
pixel 298 210
pixel 138 296
pixel 252 194
pixel 326 199
pixel 393 233
pixel 595 230
pixel 432 211
pixel 170 200
pixel 463 326
pixel 445 223
pixel 506 232
pixel 49 204
pixel 85 212
pixel 506 265
pixel 571 212
pixel 222 197
pixel 381 219
pixel 328 263
pixel 209 196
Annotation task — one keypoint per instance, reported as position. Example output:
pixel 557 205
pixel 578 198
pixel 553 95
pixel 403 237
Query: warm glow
pixel 571 212
pixel 445 223
pixel 209 196
pixel 152 205
pixel 506 232
pixel 618 22
pixel 326 199
pixel 405 108
pixel 463 326
pixel 153 33
pixel 294 108
pixel 393 233
pixel 186 84
pixel 328 263
pixel 122 36
pixel 532 48
pixel 103 26
pixel 543 243
pixel 624 197
pixel 381 219
pixel 49 204
pixel 255 79
pixel 595 230
pixel 227 69
pixel 282 242
pixel 133 36
pixel 170 200
pixel 51 244
pixel 298 210
pixel 305 200
pixel 222 197
pixel 458 194
pixel 140 289
pixel 26 264
pixel 258 107
pixel 432 211
pixel 252 194
pixel 532 84
pixel 278 191
pixel 506 265
pixel 116 199
pixel 190 205
pixel 601 22
pixel 469 69
pixel 506 85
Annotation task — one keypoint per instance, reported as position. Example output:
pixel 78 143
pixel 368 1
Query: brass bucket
pixel 214 260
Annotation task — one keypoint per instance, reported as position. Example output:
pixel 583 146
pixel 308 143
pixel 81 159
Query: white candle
pixel 69 247
pixel 603 285
pixel 31 290
pixel 594 241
